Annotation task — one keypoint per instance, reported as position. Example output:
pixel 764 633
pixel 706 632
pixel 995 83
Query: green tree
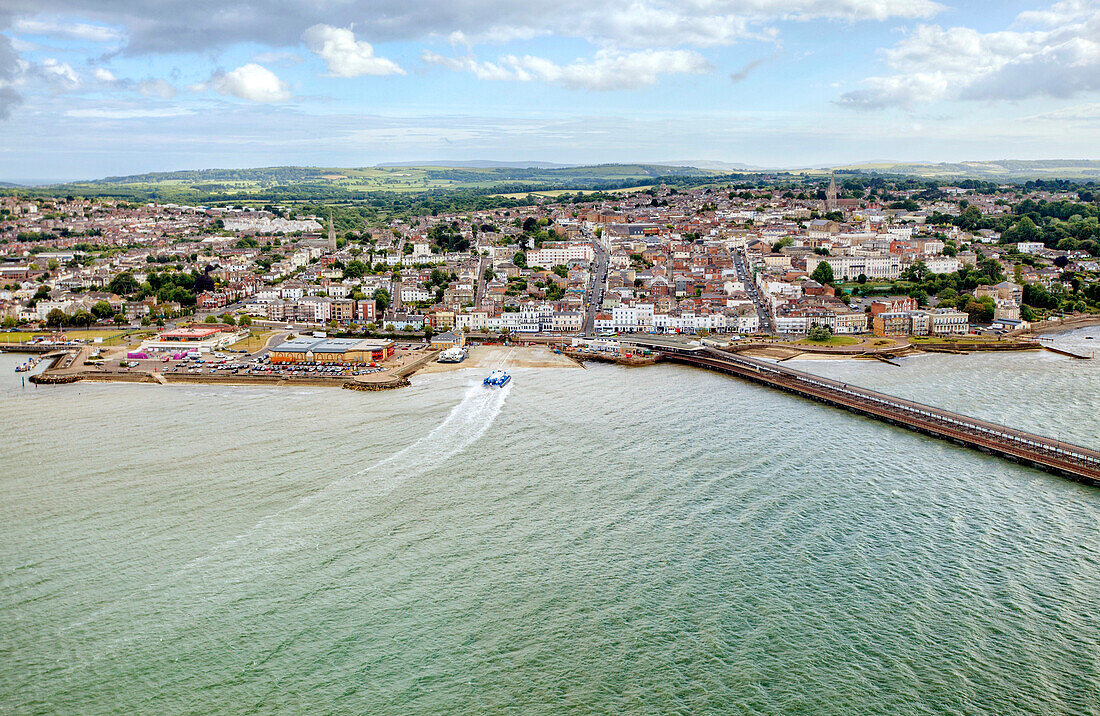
pixel 228 320
pixel 381 299
pixel 56 318
pixel 981 310
pixel 123 284
pixel 210 319
pixel 102 310
pixel 245 321
pixel 918 272
pixel 823 274
pixel 355 269
pixel 520 259
pixel 1025 230
pixel 82 318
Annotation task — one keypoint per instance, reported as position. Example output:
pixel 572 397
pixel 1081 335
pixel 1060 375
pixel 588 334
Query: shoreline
pixel 539 355
pixel 481 357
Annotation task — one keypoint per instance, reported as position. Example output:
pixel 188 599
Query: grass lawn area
pixel 256 340
pixel 955 339
pixel 110 336
pixel 831 341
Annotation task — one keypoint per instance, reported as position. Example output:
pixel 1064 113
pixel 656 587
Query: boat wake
pixel 462 427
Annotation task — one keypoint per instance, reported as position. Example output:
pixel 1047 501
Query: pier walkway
pixel 1073 461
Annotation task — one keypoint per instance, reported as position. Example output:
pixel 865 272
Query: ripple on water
pixel 664 540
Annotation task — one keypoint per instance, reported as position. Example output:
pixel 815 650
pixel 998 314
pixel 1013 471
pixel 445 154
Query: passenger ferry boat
pixel 497 379
pixel 454 354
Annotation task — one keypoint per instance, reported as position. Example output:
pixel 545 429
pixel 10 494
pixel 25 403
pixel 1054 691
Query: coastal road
pixel 595 289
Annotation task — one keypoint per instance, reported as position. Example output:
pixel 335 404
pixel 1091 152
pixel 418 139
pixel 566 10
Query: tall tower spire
pixel 830 194
pixel 331 233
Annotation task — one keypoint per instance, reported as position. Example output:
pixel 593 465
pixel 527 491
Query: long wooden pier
pixel 1073 461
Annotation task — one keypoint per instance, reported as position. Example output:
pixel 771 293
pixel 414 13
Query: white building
pixel 942 264
pixel 560 254
pixel 872 266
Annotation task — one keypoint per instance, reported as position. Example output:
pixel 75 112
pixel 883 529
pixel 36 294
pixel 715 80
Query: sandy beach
pixel 505 357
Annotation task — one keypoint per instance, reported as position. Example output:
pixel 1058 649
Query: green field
pixel 110 336
pixel 833 341
pixel 999 170
pixel 256 340
pixel 291 184
pixel 553 193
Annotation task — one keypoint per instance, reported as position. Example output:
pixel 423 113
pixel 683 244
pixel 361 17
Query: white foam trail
pixel 462 427
pixel 465 423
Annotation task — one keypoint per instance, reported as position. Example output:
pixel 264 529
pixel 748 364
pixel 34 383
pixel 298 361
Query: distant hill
pixel 999 170
pixel 717 165
pixel 392 185
pixel 480 164
pixel 362 184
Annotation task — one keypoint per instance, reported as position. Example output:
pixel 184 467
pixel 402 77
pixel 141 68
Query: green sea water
pixel 657 540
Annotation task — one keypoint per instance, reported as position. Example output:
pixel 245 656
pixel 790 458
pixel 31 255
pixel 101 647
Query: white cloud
pixel 344 55
pixel 607 70
pixel 126 113
pixel 934 64
pixel 495 35
pixel 646 24
pixel 59 75
pixel 72 30
pixel 251 82
pixel 103 75
pixel 156 88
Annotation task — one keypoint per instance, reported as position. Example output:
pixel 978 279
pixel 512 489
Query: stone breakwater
pixel 48 379
pixel 401 382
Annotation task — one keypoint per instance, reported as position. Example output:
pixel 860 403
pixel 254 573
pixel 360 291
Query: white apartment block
pixel 942 264
pixel 873 266
pixel 561 254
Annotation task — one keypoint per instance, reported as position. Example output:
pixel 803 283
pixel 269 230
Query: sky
pixel 95 88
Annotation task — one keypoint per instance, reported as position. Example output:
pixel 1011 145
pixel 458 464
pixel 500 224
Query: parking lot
pixel 229 362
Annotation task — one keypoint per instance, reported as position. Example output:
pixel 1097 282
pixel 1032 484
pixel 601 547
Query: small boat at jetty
pixel 24 367
pixel 497 379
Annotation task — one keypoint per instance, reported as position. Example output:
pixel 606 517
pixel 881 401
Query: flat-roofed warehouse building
pixel 195 338
pixel 332 350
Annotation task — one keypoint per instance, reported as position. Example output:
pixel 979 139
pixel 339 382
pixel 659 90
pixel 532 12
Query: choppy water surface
pixel 607 540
